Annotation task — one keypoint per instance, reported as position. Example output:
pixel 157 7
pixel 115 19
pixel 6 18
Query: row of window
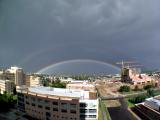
pixel 48 115
pixel 88 111
pixel 55 109
pixel 63 105
pixel 56 103
pixel 87 116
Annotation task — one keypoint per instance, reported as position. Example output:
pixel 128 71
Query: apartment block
pixel 19 75
pixel 45 103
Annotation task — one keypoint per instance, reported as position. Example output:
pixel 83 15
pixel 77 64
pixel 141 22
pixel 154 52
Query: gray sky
pixel 36 33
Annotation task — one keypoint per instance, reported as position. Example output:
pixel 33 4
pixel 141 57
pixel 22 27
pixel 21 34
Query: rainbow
pixel 76 60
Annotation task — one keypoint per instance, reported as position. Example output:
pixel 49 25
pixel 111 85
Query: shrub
pixel 137 99
pixel 147 87
pixel 124 88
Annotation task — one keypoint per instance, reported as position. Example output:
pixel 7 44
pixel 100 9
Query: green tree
pixel 147 87
pixel 138 99
pixel 150 92
pixel 124 88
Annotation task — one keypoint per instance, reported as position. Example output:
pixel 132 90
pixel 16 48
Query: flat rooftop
pixel 61 92
pixel 156 101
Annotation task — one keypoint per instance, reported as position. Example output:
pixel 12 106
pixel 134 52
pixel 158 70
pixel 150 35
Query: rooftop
pixel 156 101
pixel 60 92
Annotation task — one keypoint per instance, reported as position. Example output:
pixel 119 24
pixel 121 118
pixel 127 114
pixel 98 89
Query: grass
pixel 130 105
pixel 104 114
pixel 156 92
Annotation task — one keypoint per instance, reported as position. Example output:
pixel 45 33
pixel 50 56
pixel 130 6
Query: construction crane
pixel 134 66
pixel 123 63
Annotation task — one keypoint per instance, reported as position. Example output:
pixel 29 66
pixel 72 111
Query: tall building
pixel 45 103
pixel 19 75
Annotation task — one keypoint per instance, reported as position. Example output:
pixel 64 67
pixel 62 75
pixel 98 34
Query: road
pixel 121 112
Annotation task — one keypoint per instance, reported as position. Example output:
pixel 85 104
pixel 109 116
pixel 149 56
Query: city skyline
pixel 35 34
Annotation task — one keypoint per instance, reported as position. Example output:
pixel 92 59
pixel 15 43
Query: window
pixel 46 101
pixel 73 111
pixel 33 99
pixel 47 108
pixel 33 104
pixel 92 110
pixel 83 105
pixel 27 102
pixel 63 110
pixel 39 106
pixel 92 116
pixel 39 100
pixel 64 105
pixel 55 103
pixel 48 114
pixel 83 111
pixel 55 109
pixel 72 106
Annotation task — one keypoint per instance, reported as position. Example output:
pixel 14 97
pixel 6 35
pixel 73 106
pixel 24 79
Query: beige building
pixel 19 75
pixel 130 75
pixel 45 103
pixel 6 75
pixel 32 80
pixel 6 86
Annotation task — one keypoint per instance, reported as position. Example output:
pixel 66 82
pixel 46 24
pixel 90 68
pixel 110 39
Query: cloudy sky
pixel 37 33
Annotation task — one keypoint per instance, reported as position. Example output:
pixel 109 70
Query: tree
pixel 150 92
pixel 147 87
pixel 137 99
pixel 124 88
pixel 137 88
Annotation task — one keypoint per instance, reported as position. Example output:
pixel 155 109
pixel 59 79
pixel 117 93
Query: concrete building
pixel 45 103
pixel 19 75
pixel 6 75
pixel 6 86
pixel 133 76
pixel 153 103
pixel 66 79
pixel 32 80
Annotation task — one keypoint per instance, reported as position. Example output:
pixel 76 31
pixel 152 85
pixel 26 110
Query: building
pixel 19 75
pixel 45 103
pixel 6 75
pixel 153 103
pixel 133 76
pixel 66 79
pixel 32 80
pixel 6 86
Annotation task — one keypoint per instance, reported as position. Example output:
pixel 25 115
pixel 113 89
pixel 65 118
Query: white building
pixel 153 103
pixel 45 103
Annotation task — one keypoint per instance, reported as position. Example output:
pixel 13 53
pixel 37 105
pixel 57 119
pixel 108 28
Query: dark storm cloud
pixel 35 33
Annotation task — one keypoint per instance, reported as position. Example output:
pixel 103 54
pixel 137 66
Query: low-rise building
pixel 6 86
pixel 47 103
pixel 133 76
pixel 32 80
pixel 153 103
